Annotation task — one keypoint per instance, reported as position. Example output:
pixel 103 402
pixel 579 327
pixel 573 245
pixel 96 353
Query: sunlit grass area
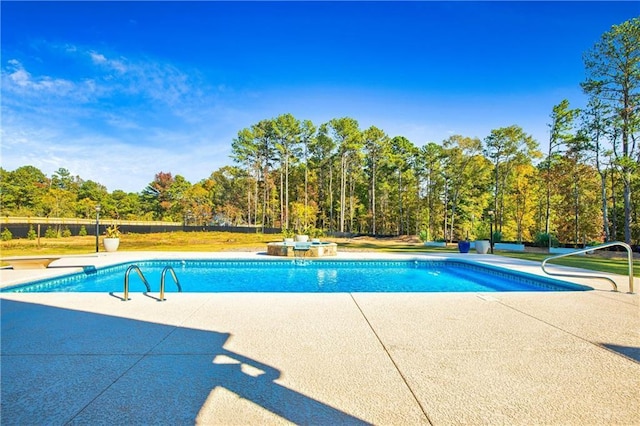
pixel 168 241
pixel 227 241
pixel 614 265
pixel 597 262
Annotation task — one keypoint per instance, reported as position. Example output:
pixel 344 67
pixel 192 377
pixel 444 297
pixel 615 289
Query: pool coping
pixel 361 358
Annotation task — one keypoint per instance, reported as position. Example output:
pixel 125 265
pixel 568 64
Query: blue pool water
pixel 296 276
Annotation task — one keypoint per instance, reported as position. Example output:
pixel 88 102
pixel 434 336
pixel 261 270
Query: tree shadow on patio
pixel 61 365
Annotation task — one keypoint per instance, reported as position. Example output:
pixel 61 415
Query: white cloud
pixel 100 59
pixel 118 121
pixel 18 80
pixel 149 79
pixel 19 76
pixel 121 80
pixel 97 58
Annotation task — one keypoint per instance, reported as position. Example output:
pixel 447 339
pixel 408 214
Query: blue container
pixel 464 246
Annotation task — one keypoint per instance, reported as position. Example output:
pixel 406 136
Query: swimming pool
pixel 303 276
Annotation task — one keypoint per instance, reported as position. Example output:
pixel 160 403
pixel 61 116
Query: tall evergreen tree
pixel 560 131
pixel 595 125
pixel 613 77
pixel 375 142
pixel 505 147
pixel 460 152
pixel 287 136
pixel 348 138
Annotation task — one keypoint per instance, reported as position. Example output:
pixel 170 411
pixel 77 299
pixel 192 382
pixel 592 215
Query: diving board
pixel 29 262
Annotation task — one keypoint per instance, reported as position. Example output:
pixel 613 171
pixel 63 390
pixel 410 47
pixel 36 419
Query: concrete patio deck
pixel 343 358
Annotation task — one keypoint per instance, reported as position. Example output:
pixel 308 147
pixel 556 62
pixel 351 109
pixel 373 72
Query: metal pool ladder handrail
pixel 162 279
pixel 126 280
pixel 598 247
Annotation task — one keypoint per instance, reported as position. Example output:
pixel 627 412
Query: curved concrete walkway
pixel 360 358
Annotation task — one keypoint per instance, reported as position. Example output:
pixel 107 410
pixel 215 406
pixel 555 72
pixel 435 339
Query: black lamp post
pixel 490 212
pixel 97 227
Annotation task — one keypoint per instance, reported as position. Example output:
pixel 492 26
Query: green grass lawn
pixel 227 241
pixel 595 262
pixel 616 265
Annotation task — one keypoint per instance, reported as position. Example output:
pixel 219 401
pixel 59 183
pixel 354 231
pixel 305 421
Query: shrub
pixel 66 232
pixel 32 235
pixel 82 232
pixel 316 232
pixel 51 233
pixel 497 236
pixel 6 235
pixel 542 240
pixel 288 233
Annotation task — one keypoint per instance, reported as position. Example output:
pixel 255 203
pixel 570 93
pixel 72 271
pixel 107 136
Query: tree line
pixel 335 176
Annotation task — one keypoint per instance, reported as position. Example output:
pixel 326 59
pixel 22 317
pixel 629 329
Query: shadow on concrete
pixel 628 351
pixel 145 294
pixel 64 366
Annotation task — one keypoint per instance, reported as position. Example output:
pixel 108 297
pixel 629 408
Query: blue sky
pixel 116 92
